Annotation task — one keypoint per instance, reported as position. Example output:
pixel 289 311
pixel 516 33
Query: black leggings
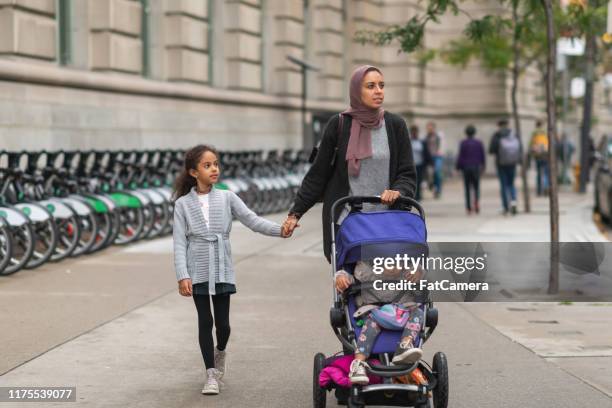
pixel 221 306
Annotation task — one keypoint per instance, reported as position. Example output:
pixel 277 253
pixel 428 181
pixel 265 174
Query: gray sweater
pixel 203 253
pixel 373 176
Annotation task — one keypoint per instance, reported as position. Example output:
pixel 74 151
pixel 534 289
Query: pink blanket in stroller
pixel 337 372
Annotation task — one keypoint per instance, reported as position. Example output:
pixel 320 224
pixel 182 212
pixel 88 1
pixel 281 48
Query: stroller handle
pixel 374 200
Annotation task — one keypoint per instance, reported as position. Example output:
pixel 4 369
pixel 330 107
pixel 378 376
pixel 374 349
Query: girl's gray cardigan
pixel 195 244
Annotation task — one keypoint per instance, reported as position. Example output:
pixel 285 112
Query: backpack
pixel 509 149
pixel 539 144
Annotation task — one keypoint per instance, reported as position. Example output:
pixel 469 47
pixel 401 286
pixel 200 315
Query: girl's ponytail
pixel 185 181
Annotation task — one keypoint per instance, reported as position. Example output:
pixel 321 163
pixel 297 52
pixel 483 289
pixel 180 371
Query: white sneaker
pixel 212 386
pixel 220 362
pixel 406 353
pixel 357 373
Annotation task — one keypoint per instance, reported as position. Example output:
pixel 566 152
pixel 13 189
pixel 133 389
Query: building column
pixel 115 27
pixel 326 49
pixel 243 44
pixel 28 28
pixel 187 45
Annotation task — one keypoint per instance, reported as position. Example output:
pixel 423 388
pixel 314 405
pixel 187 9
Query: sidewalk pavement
pixel 447 220
pixel 113 325
pixel 576 337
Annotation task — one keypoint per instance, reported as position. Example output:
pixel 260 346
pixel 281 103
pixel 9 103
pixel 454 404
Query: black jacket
pixel 332 183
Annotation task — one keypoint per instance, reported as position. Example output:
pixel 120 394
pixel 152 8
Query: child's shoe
pixel 212 385
pixel 220 362
pixel 357 373
pixel 406 353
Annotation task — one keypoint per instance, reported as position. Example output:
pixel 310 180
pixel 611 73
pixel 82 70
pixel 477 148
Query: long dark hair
pixel 185 181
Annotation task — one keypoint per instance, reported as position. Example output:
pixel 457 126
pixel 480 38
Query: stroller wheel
pixel 354 399
pixel 319 395
pixel 440 369
pixel 428 404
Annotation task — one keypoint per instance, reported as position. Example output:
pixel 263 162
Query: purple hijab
pixel 364 120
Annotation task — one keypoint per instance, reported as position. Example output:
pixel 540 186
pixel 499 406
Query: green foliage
pixel 490 39
pixel 493 50
pixel 487 27
pixel 591 19
pixel 409 35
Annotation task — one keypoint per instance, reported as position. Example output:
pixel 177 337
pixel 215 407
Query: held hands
pixel 389 197
pixel 289 225
pixel 185 288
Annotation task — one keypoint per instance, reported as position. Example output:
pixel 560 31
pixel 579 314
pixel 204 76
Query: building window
pixel 64 21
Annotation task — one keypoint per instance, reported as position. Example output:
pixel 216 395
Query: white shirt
pixel 203 198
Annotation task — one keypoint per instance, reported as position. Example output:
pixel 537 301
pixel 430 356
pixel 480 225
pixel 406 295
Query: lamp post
pixel 304 66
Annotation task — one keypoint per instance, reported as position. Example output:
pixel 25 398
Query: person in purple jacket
pixel 471 161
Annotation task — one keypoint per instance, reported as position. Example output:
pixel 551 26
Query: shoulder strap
pixel 340 131
pixel 315 149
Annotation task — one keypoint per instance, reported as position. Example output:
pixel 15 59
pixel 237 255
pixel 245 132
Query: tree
pixel 551 41
pixel 508 44
pixel 588 19
pixel 410 37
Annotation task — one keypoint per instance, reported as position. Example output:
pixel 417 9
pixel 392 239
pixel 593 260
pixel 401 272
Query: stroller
pixel 363 236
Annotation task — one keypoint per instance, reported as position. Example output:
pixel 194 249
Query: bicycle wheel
pixel 45 240
pixel 131 224
pixel 104 231
pixel 168 229
pixel 149 220
pixel 88 225
pixel 6 245
pixel 115 220
pixel 89 232
pixel 69 230
pixel 23 246
pixel 160 220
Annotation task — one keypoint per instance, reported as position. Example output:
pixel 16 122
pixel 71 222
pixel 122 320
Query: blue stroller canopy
pixel 367 235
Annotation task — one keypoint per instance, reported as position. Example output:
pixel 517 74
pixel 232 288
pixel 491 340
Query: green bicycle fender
pixel 98 205
pixel 125 200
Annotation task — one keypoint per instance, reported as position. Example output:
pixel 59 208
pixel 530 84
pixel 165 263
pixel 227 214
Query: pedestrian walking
pixel 364 151
pixel 565 150
pixel 202 254
pixel 538 150
pixel 421 158
pixel 435 147
pixel 472 162
pixel 507 149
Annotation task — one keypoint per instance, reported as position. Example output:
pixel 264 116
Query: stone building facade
pixel 111 74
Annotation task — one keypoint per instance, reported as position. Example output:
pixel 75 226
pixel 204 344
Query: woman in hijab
pixel 364 151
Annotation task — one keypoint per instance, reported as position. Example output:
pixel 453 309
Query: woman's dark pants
pixel 471 182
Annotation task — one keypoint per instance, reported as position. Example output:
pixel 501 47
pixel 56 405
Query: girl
pixel 202 253
pixel 406 352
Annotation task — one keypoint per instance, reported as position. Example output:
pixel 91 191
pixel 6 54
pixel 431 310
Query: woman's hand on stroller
pixel 389 197
pixel 342 282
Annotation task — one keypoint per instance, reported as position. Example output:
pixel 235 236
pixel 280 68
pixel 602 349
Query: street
pixel 113 324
